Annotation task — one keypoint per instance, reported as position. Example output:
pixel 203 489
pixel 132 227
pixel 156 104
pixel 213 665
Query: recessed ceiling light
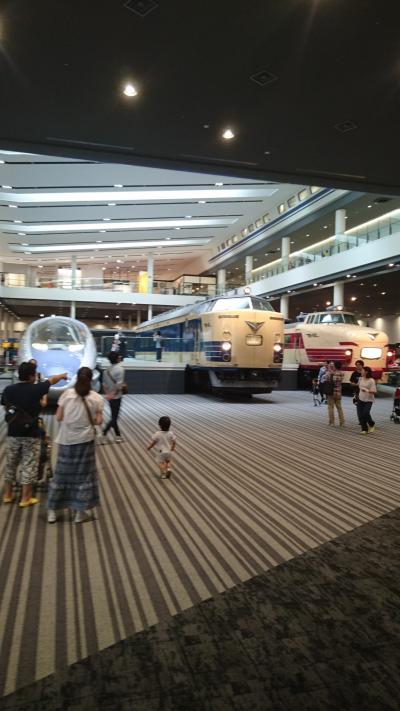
pixel 202 202
pixel 374 284
pixel 188 217
pixel 391 264
pixel 219 185
pixel 22 234
pixel 106 316
pixel 13 206
pixel 348 276
pixel 308 235
pixel 177 228
pixel 328 303
pixel 315 284
pixel 2 161
pixel 102 231
pixel 353 298
pixel 18 222
pixel 111 204
pixel 118 185
pixel 228 134
pixel 129 90
pixel 369 205
pixel 325 227
pixel 7 187
pixel 383 293
pixel 106 219
pixel 99 241
pixel 24 244
pixel 41 315
pixel 40 266
pixel 103 269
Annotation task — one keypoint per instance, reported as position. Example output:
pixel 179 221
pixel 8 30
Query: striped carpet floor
pixel 255 483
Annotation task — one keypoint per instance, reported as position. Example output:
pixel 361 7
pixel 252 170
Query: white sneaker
pixel 81 516
pixel 119 439
pixel 51 516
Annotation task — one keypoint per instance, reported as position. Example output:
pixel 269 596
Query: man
pixel 322 379
pixel 158 344
pixel 334 392
pixel 22 402
pixel 355 377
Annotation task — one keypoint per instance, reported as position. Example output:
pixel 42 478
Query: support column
pixel 150 273
pixel 5 325
pixel 340 223
pixel 73 272
pixel 1 323
pixel 149 312
pixel 284 305
pixel 338 293
pixel 285 253
pixel 221 281
pixel 248 268
pixel 73 310
pixel 130 322
pixel 138 318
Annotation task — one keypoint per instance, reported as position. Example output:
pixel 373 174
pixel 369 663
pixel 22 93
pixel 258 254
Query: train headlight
pixel 226 346
pixel 390 354
pixel 40 346
pixel 371 353
pixel 277 347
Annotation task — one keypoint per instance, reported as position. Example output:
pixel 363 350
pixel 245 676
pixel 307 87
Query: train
pixel 334 334
pixel 228 344
pixel 59 345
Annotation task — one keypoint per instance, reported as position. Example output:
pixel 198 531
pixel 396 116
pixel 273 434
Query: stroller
pixel 395 416
pixel 45 471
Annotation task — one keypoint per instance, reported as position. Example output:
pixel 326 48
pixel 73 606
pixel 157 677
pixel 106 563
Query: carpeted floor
pixel 256 483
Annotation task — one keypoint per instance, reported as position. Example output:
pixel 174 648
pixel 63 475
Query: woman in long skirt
pixel 74 484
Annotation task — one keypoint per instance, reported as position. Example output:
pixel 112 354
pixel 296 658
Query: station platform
pixel 263 576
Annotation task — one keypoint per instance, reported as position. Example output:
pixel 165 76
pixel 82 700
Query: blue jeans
pixel 364 415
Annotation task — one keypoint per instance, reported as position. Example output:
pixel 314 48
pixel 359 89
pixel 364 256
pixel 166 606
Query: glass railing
pixel 174 350
pixel 350 240
pixel 115 285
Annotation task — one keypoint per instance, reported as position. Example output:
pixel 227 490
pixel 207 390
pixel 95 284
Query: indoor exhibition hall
pixel 199 432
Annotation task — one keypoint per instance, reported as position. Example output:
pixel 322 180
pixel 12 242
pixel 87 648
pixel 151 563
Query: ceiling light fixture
pixel 7 187
pixel 87 247
pixel 118 185
pixel 228 134
pixel 166 223
pixel 391 264
pixel 219 185
pixel 129 90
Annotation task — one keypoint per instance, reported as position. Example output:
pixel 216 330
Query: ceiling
pixel 310 88
pixel 51 208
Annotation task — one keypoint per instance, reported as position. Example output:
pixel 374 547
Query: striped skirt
pixel 74 484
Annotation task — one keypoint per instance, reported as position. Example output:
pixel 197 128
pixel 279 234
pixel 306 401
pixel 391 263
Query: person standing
pixel 74 484
pixel 113 380
pixel 158 344
pixel 322 378
pixel 334 392
pixel 23 402
pixel 366 397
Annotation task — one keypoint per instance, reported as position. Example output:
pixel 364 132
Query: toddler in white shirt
pixel 164 443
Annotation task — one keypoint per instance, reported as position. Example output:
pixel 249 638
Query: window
pixel 259 223
pixel 234 304
pixel 266 218
pixel 281 208
pixel 314 189
pixel 303 194
pixel 261 304
pixel 245 232
pixel 292 201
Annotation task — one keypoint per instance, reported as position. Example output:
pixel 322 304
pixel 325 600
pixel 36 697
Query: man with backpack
pixel 22 402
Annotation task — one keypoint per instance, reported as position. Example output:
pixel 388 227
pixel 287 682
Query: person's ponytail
pixel 83 381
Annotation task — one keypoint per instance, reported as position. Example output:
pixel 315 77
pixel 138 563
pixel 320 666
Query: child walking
pixel 164 442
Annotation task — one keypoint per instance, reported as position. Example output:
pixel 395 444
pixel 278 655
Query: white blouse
pixel 367 389
pixel 75 427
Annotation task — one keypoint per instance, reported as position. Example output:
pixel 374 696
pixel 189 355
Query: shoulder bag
pixel 16 415
pixel 123 388
pixel 90 418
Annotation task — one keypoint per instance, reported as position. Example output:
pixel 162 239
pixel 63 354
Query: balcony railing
pixel 350 240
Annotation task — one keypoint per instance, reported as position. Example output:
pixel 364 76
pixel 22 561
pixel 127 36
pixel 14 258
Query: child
pixel 164 441
pixel 316 392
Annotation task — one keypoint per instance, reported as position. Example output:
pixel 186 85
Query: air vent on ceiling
pixel 141 7
pixel 263 77
pixel 345 126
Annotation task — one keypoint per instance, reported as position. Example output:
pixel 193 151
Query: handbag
pixel 19 417
pixel 123 388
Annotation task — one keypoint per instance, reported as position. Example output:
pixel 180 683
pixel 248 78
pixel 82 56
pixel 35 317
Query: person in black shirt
pixel 22 402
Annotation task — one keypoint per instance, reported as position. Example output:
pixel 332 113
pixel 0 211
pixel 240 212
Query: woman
pixel 366 396
pixel 113 380
pixel 75 478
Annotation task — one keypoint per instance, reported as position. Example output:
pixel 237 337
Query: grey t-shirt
pixel 117 373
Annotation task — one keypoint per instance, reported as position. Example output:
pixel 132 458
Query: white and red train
pixel 335 335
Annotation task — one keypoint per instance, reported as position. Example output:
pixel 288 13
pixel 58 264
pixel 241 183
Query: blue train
pixel 59 345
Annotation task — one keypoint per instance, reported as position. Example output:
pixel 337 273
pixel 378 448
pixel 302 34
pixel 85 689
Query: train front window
pixel 56 334
pixel 261 304
pixel 338 318
pixel 234 304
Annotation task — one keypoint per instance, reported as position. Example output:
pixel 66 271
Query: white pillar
pixel 138 318
pixel 130 322
pixel 248 268
pixel 284 306
pixel 149 312
pixel 73 310
pixel 221 281
pixel 338 293
pixel 73 271
pixel 1 322
pixel 150 273
pixel 5 325
pixel 285 252
pixel 340 223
